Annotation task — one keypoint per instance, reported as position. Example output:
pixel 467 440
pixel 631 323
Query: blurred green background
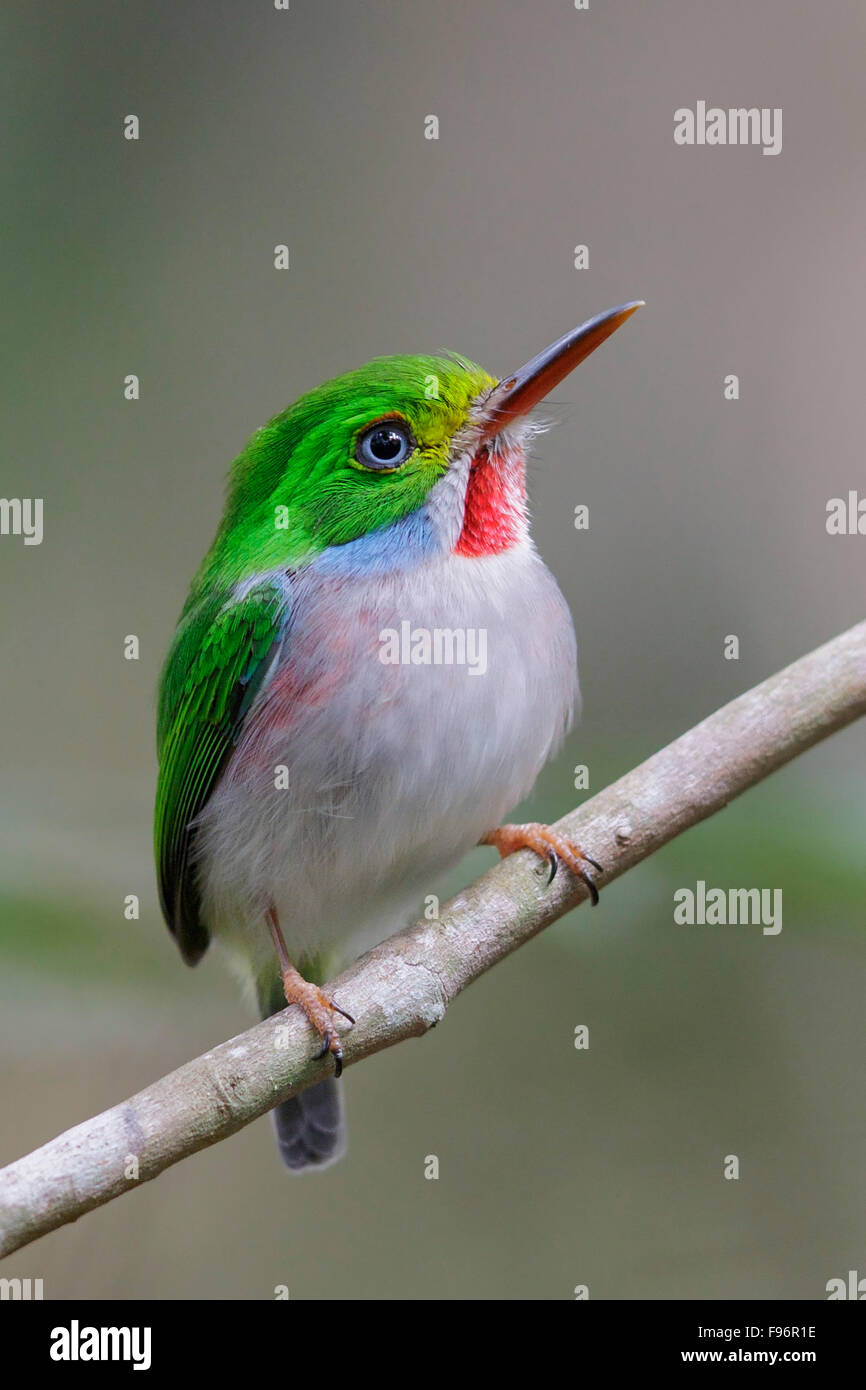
pixel 259 127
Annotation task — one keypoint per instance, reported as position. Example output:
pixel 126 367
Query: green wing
pixel 222 652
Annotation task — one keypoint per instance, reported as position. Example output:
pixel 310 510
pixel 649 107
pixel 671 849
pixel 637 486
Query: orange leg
pixel 316 1005
pixel 551 845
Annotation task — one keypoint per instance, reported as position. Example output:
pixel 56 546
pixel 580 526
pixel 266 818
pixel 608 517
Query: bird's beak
pixel 516 395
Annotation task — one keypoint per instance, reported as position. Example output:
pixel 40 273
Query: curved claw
pixel 553 860
pixel 337 1051
pixel 338 1010
pixel 588 880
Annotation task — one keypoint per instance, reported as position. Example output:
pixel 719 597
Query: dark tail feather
pixel 311 1131
pixel 310 1127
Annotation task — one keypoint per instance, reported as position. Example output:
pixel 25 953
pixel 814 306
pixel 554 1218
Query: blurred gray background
pixel 259 127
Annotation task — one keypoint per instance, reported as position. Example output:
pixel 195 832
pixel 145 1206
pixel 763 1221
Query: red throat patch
pixel 494 517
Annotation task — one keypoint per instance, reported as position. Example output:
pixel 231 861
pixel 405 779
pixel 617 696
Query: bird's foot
pixel 551 845
pixel 320 1011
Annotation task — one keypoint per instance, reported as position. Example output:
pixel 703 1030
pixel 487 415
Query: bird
pixel 370 670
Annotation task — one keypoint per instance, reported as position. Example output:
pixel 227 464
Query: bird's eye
pixel 385 444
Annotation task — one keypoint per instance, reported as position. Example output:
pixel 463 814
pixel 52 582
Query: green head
pixel 369 449
pixel 355 455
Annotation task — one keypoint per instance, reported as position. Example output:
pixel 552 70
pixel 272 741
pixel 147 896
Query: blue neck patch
pixel 400 546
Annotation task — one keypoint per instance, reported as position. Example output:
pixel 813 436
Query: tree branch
pixel 404 986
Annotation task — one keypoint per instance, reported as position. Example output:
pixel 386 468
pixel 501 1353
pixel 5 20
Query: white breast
pixel 393 770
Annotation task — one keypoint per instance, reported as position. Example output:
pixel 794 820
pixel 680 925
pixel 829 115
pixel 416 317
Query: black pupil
pixel 385 445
